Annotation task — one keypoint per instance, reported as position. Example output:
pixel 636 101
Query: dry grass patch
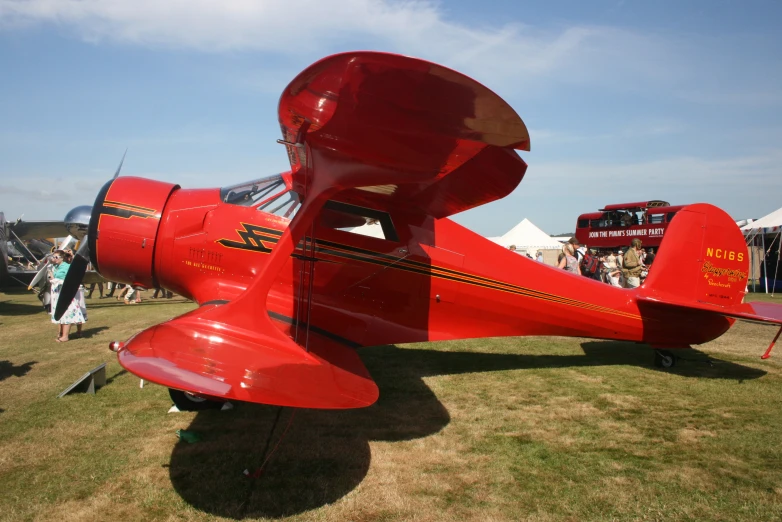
pixel 694 435
pixel 491 429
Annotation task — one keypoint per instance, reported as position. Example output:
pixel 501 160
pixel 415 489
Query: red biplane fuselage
pixel 288 288
pixel 434 280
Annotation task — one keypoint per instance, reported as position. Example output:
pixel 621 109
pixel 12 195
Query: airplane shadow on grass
pixel 112 302
pixel 324 455
pixel 13 308
pixel 90 332
pixel 8 369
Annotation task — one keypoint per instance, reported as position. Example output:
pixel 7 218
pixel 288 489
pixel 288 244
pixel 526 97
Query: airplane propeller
pixel 81 260
pixel 116 174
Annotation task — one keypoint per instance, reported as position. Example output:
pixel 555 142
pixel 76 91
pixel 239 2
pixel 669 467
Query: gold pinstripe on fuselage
pixel 343 251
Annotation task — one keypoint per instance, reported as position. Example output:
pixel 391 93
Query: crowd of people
pixel 126 293
pixel 624 269
pixel 621 268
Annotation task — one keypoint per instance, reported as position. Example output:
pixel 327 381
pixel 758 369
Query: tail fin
pixel 702 258
pixel 703 264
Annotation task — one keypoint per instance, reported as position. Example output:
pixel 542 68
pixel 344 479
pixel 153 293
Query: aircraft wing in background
pixel 36 229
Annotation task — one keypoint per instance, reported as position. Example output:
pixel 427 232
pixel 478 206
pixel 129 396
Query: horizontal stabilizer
pixel 758 312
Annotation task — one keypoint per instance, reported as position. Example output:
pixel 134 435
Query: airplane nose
pixel 77 221
pixel 124 227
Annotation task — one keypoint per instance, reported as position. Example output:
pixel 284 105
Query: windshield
pixel 249 193
pixel 271 194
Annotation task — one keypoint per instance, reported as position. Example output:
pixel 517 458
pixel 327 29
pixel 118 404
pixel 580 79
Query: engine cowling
pixel 124 226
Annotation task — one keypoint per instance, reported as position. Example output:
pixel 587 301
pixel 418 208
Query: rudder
pixel 703 258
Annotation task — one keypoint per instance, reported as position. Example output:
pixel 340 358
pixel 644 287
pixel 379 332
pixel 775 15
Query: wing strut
pixel 304 301
pixel 771 346
pixel 25 247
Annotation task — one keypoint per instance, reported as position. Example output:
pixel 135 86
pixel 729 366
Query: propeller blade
pixel 38 276
pixel 116 174
pixel 73 279
pixel 66 243
pixel 78 267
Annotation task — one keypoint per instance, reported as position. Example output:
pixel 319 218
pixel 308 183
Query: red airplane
pixel 288 288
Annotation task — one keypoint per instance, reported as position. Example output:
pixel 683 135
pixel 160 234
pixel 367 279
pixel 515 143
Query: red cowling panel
pixel 128 216
pixel 221 360
pixel 398 120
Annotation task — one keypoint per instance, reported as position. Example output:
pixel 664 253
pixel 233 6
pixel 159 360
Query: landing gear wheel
pixel 185 401
pixel 664 359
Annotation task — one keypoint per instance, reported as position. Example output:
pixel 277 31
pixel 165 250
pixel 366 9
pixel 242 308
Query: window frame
pixel 382 217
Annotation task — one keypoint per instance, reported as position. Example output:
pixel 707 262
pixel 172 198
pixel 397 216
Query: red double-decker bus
pixel 615 226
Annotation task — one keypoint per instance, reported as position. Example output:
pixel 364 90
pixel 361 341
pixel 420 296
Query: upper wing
pixel 419 134
pixel 38 229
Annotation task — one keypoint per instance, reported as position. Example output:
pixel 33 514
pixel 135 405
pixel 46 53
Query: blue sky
pixel 625 101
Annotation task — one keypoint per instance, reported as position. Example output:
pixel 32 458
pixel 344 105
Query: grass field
pixel 492 429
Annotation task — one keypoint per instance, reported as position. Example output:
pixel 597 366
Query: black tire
pixel 188 402
pixel 664 359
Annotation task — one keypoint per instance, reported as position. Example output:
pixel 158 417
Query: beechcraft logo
pixel 253 238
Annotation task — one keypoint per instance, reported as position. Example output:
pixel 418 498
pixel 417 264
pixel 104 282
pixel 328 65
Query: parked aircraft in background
pixel 19 233
pixel 29 239
pixel 287 292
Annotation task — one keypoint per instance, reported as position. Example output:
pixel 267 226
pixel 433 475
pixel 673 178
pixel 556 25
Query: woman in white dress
pixel 77 309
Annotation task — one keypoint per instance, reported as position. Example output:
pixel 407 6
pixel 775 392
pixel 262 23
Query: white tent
pixel 527 237
pixel 369 229
pixel 769 224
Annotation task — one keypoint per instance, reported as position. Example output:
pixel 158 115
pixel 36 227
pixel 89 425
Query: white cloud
pixel 631 131
pixel 510 56
pixel 32 193
pixel 211 26
pixel 304 26
pixel 676 171
pixel 740 185
pixel 553 194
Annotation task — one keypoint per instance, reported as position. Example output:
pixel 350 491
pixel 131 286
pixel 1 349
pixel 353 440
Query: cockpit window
pixel 358 220
pixel 252 192
pixel 272 195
